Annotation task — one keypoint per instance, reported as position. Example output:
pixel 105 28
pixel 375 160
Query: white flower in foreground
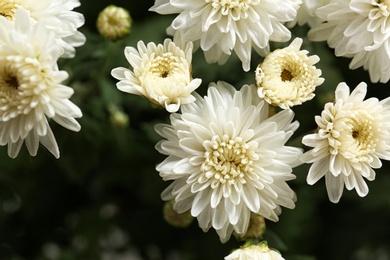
pixel 255 252
pixel 58 17
pixel 30 87
pixel 306 13
pixel 226 159
pixel 161 73
pixel 220 26
pixel 288 77
pixel 353 136
pixel 358 29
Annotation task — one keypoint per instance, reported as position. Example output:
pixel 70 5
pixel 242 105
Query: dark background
pixel 101 199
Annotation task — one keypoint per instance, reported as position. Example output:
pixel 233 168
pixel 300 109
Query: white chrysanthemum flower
pixel 161 73
pixel 353 136
pixel 227 159
pixel 58 17
pixel 288 77
pixel 255 252
pixel 306 13
pixel 30 86
pixel 220 26
pixel 358 29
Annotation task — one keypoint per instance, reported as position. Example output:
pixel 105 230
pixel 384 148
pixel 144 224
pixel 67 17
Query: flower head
pixel 255 252
pixel 30 86
pixel 353 136
pixel 161 73
pixel 358 29
pixel 114 22
pixel 57 16
pixel 288 77
pixel 220 26
pixel 226 159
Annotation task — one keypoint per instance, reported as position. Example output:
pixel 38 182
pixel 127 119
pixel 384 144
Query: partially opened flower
pixel 352 137
pixel 57 15
pixel 114 22
pixel 255 252
pixel 288 77
pixel 358 29
pixel 161 73
pixel 30 86
pixel 221 26
pixel 227 158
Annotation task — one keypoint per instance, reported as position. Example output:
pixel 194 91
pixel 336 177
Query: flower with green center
pixel 30 86
pixel 352 137
pixel 222 26
pixel 227 159
pixel 162 73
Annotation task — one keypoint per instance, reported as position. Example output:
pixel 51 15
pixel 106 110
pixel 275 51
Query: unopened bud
pixel 175 219
pixel 118 118
pixel 114 22
pixel 255 229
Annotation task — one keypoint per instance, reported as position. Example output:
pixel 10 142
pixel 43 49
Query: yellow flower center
pixel 8 8
pixel 227 160
pixel 286 75
pixel 163 66
pixel 235 8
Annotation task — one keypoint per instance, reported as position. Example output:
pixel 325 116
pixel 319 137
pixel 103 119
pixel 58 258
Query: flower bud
pixel 175 219
pixel 255 229
pixel 114 22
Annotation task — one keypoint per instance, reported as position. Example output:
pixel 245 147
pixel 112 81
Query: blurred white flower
pixel 58 17
pixel 161 73
pixel 288 77
pixel 353 136
pixel 220 26
pixel 306 13
pixel 358 29
pixel 227 158
pixel 30 86
pixel 255 252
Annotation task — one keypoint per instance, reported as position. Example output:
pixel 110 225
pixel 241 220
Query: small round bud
pixel 114 22
pixel 255 229
pixel 175 219
pixel 118 118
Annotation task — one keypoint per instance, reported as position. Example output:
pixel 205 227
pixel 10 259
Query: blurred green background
pixel 101 199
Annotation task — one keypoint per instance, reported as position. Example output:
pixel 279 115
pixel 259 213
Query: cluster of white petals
pixel 58 17
pixel 288 77
pixel 161 73
pixel 353 135
pixel 220 26
pixel 307 13
pixel 255 252
pixel 30 86
pixel 228 158
pixel 358 29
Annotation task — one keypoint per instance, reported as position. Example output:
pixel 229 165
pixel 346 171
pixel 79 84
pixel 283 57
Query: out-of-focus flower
pixel 58 17
pixel 353 136
pixel 227 158
pixel 30 86
pixel 222 26
pixel 161 73
pixel 114 22
pixel 288 77
pixel 255 252
pixel 358 29
pixel 306 13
